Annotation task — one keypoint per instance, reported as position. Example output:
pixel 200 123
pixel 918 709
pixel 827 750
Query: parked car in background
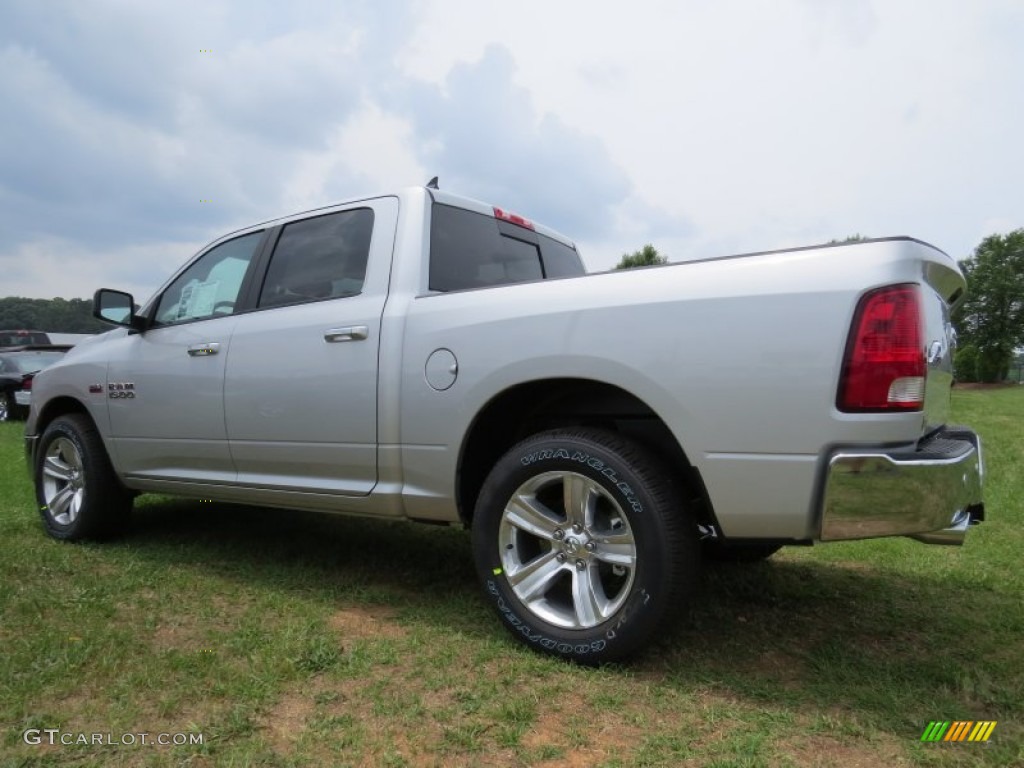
pixel 18 367
pixel 23 338
pixel 68 338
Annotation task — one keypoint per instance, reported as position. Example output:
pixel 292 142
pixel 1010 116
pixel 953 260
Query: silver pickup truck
pixel 425 356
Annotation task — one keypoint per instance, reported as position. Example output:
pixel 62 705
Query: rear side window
pixel 319 258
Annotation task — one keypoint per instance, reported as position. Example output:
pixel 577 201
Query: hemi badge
pixel 95 389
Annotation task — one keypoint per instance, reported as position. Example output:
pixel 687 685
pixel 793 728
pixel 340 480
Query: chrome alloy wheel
pixel 567 549
pixel 63 481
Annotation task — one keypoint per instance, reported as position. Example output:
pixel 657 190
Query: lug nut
pixel 560 557
pixel 559 534
pixel 580 565
pixel 590 546
pixel 577 528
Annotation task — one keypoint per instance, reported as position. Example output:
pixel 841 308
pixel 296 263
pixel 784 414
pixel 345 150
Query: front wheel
pixel 79 495
pixel 583 544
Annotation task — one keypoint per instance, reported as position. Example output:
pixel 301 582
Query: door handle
pixel 203 350
pixel 348 333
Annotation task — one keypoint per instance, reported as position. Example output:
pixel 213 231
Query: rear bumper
pixel 932 494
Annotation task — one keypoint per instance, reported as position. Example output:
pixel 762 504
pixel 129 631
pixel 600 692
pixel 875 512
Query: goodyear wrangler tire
pixel 583 545
pixel 78 494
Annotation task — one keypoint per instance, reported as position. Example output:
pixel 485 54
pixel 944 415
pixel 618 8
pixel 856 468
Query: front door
pixel 165 387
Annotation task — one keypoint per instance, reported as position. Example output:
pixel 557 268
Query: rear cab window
pixel 475 250
pixel 22 338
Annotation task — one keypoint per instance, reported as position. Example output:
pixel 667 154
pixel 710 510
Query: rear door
pixel 300 388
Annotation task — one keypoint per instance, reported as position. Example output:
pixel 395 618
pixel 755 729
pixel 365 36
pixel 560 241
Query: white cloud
pixel 703 128
pixel 484 136
pixel 765 123
pixel 50 266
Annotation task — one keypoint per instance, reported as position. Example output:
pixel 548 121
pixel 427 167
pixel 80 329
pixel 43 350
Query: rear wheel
pixel 580 545
pixel 79 496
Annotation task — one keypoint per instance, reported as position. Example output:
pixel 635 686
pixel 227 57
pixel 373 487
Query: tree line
pixel 50 315
pixel 989 320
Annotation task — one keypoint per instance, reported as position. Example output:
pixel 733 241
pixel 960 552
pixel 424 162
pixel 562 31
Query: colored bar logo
pixel 958 730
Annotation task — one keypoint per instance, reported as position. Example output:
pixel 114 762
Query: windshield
pixel 30 362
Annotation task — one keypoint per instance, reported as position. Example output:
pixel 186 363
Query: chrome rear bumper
pixel 932 494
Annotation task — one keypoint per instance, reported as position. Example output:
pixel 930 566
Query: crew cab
pixel 425 356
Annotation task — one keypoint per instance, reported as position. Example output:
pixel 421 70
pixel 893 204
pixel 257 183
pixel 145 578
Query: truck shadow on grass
pixel 825 639
pixel 838 637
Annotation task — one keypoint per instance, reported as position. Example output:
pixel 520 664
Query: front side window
pixel 210 287
pixel 320 258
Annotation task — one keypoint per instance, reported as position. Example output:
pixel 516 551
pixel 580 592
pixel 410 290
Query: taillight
pixel 512 218
pixel 884 367
pixel 26 383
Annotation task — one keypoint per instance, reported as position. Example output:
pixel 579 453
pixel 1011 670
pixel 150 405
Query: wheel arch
pixel 538 405
pixel 80 495
pixel 61 406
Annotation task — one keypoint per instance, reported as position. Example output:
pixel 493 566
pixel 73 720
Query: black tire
pixel 724 552
pixel 599 591
pixel 7 406
pixel 78 494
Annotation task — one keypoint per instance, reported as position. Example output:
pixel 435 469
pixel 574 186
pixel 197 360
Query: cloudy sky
pixel 134 131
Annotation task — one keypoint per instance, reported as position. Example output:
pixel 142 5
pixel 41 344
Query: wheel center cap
pixel 571 545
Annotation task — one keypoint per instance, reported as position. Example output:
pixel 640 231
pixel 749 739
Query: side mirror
pixel 116 307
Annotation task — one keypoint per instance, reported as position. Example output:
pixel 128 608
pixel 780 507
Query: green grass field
pixel 290 639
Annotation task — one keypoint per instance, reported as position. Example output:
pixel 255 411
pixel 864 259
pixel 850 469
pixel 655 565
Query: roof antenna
pixel 432 184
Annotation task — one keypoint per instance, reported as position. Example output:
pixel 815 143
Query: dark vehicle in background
pixel 22 338
pixel 18 366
